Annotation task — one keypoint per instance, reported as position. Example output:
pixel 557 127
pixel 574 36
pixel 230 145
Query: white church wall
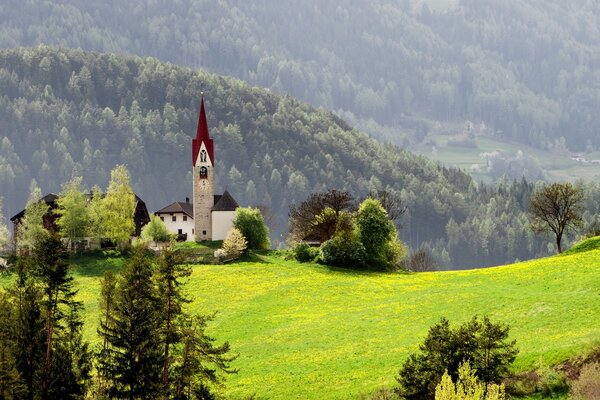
pixel 222 222
pixel 179 223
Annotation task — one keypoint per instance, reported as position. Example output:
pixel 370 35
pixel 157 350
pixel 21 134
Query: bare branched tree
pixel 556 209
pixel 422 261
pixel 392 203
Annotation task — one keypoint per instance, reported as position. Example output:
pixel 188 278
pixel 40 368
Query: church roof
pixel 202 136
pixel 225 203
pixel 178 207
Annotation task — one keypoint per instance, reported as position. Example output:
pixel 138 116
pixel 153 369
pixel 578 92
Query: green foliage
pixel 118 207
pixel 132 359
pixel 97 224
pixel 584 246
pixel 155 230
pixel 303 252
pixel 378 236
pixel 31 229
pixel 72 211
pixel 482 343
pixel 235 243
pixel 251 224
pixel 467 387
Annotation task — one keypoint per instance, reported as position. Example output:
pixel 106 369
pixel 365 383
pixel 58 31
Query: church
pixel 207 216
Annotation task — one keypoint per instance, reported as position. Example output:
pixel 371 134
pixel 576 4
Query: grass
pixel 307 331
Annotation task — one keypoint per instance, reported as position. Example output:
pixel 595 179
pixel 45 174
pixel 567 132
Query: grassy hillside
pixel 306 331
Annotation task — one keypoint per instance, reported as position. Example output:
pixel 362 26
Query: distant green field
pixel 306 331
pixel 556 166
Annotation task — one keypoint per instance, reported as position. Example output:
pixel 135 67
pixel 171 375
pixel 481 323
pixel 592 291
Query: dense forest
pixel 68 112
pixel 528 69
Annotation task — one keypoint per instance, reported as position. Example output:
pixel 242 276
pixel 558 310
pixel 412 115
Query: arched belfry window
pixel 203 173
pixel 203 156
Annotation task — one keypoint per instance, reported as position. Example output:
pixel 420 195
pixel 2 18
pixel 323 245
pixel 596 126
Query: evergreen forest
pixel 526 69
pixel 70 112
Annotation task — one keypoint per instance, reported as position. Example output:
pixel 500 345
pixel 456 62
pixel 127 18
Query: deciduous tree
pixel 118 206
pixel 72 211
pixel 557 209
pixel 31 228
pixel 250 222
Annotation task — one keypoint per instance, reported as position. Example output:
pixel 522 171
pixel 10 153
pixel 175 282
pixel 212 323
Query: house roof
pixel 202 136
pixel 178 207
pixel 225 202
pixel 49 199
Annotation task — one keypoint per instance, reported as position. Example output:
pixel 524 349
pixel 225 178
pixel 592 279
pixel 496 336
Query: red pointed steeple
pixel 202 136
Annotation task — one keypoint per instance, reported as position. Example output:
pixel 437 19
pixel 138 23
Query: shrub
pixel 303 252
pixel 220 255
pixel 484 344
pixel 588 384
pixel 155 230
pixel 235 243
pixel 422 261
pixel 252 225
pixel 343 252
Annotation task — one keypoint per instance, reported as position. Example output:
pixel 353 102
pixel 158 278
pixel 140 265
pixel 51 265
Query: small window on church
pixel 203 156
pixel 203 173
pixel 174 219
pixel 185 217
pixel 179 232
pixel 204 232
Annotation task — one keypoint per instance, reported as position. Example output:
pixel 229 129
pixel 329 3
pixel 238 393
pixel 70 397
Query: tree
pixel 155 230
pixel 482 343
pixel 250 222
pixel 235 243
pixel 31 228
pixel 392 203
pixel 345 249
pixel 378 236
pixel 61 377
pixel 72 210
pixel 97 221
pixel 556 209
pixel 133 360
pixel 422 261
pixel 12 386
pixel 303 218
pixel 169 276
pixel 467 387
pixel 118 206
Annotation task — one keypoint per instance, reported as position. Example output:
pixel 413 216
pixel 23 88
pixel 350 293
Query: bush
pixel 252 225
pixel 303 252
pixel 482 343
pixel 235 243
pixel 343 252
pixel 155 230
pixel 588 384
pixel 422 261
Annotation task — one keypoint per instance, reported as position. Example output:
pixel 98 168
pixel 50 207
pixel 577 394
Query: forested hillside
pixel 527 69
pixel 66 112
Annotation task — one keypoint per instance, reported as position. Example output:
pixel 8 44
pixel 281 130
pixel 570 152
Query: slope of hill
pixel 68 111
pixel 306 331
pixel 526 68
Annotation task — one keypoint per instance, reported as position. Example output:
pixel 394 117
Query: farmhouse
pixel 141 216
pixel 208 216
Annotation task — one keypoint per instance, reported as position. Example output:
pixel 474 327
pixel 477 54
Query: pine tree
pixel 133 359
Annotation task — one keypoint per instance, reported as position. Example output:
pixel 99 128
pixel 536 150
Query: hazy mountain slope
pixel 527 68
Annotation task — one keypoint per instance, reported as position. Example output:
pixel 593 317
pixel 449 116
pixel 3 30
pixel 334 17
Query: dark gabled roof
pixel 225 203
pixel 49 199
pixel 178 207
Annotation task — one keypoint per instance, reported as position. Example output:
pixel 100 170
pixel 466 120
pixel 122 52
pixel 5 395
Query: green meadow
pixel 309 332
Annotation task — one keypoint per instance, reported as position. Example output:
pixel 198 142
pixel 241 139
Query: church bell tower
pixel 203 162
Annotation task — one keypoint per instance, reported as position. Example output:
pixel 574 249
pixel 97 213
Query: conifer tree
pixel 133 359
pixel 12 386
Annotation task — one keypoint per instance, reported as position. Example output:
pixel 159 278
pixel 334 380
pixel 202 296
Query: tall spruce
pixel 169 276
pixel 62 375
pixel 133 358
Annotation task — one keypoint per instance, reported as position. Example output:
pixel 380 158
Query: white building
pixel 209 216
